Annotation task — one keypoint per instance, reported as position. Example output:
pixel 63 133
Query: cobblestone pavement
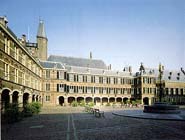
pixel 67 123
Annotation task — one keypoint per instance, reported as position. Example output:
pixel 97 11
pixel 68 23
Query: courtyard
pixel 73 123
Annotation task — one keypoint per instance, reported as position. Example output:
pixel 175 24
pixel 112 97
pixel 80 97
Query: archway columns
pixel 150 101
pixel 11 96
pixel 57 103
pixel 20 100
pixel 101 101
pixel 65 101
pixel 29 98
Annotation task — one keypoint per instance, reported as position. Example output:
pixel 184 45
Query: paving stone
pixel 67 123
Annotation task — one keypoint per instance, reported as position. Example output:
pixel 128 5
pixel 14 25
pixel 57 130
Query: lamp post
pixel 161 69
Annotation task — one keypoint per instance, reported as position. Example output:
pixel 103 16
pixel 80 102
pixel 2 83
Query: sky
pixel 119 32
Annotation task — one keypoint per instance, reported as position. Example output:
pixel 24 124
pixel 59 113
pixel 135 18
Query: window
pixel 58 73
pixel 47 74
pixel 167 91
pixel 74 78
pixel 47 98
pixel 16 75
pixel 47 87
pixel 181 90
pixel 171 91
pixel 6 71
pixel 177 91
pixel 65 75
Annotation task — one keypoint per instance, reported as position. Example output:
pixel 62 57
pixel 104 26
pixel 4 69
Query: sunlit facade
pixel 27 75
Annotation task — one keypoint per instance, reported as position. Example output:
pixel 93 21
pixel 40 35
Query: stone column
pixel 93 99
pixel 65 101
pixel 29 98
pixel 10 98
pixel 101 101
pixel 149 101
pixel 57 102
pixel 20 100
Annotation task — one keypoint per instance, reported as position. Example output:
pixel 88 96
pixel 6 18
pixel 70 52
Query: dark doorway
pixel 15 97
pixel 61 100
pixel 5 97
pixel 25 98
pixel 146 101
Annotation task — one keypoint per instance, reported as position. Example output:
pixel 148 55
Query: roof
pixel 168 75
pixel 41 30
pixel 79 62
pixel 48 64
pixel 95 71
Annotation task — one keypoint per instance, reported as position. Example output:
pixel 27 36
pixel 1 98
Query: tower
pixel 42 42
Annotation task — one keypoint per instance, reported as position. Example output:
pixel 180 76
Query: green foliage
pixel 138 101
pixel 32 108
pixel 134 103
pixel 82 103
pixel 36 107
pixel 91 104
pixel 108 104
pixel 12 113
pixel 74 104
pixel 127 101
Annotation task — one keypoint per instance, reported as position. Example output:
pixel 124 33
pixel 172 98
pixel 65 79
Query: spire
pixel 90 55
pixel 41 30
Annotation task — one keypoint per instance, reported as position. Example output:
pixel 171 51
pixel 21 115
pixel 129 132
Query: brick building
pixel 27 74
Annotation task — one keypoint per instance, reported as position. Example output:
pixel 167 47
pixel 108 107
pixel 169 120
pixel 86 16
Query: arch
pixel 104 100
pixel 146 101
pixel 119 99
pixel 80 99
pixel 15 97
pixel 88 99
pixel 111 99
pixel 61 100
pixel 125 100
pixel 25 98
pixel 33 98
pixel 5 98
pixel 96 100
pixel 37 98
pixel 71 99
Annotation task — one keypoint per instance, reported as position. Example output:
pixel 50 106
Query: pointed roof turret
pixel 41 30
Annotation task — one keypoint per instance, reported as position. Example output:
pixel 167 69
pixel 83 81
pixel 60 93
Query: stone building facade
pixel 27 74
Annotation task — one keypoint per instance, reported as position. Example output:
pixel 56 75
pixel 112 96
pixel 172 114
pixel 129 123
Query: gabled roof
pixel 95 71
pixel 175 76
pixel 41 30
pixel 80 62
pixel 48 64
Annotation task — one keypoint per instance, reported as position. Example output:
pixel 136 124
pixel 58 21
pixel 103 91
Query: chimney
pixel 130 69
pixel 3 21
pixel 90 55
pixel 23 39
pixel 110 67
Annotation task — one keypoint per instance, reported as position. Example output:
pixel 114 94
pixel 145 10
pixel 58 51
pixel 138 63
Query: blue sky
pixel 120 32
